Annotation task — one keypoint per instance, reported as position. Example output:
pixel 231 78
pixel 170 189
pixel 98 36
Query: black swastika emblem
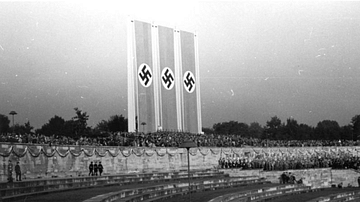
pixel 189 81
pixel 167 78
pixel 145 75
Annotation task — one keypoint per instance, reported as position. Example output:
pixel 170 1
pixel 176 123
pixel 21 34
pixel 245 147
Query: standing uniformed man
pixel 18 171
pixel 10 170
pixel 101 168
pixel 95 169
pixel 91 169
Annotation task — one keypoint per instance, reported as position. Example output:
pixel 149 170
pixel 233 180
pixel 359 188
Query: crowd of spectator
pixel 278 161
pixel 286 161
pixel 168 139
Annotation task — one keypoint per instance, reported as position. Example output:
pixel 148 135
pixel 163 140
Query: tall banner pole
pixel 156 68
pixel 182 107
pixel 197 70
pixel 130 75
pixel 178 76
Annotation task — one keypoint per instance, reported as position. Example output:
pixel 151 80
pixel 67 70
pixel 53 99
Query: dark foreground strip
pixel 81 195
pixel 313 195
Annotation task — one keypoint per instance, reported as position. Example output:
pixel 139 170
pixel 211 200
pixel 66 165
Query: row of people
pixel 289 178
pixel 168 139
pixel 95 168
pixel 10 168
pixel 287 161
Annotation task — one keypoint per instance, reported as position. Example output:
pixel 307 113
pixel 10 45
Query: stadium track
pixel 80 195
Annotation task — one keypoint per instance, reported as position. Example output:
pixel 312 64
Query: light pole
pixel 13 113
pixel 188 144
pixel 143 124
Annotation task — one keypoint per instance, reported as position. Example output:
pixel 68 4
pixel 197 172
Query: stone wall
pixel 39 161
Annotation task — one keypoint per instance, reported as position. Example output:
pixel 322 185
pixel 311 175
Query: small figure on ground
pixel 283 178
pixel 101 168
pixel 95 169
pixel 340 185
pixel 91 169
pixel 292 178
pixel 10 170
pixel 18 171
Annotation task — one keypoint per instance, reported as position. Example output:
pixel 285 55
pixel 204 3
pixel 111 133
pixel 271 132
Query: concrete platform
pixel 17 190
pixel 262 194
pixel 172 189
pixel 346 196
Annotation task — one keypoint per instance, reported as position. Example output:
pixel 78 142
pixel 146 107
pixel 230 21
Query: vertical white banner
pixel 167 79
pixel 189 82
pixel 145 77
pixel 163 79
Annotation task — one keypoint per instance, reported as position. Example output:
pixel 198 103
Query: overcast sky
pixel 257 59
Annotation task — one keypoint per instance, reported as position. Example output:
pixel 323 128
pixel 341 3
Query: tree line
pixel 75 127
pixel 274 129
